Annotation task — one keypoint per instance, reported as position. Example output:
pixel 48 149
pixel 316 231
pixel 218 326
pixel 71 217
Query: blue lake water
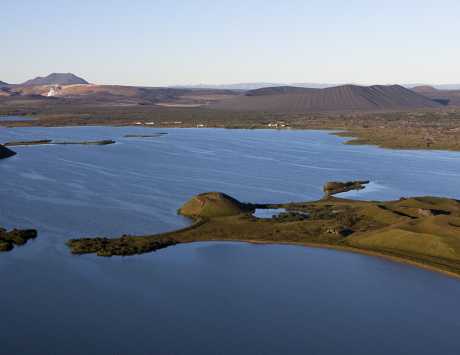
pixel 218 297
pixel 268 212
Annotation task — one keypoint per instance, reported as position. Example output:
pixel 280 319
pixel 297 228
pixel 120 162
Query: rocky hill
pixel 56 79
pixel 339 98
pixel 212 204
pixel 445 97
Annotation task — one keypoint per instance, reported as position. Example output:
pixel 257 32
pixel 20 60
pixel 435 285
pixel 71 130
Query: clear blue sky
pixel 147 42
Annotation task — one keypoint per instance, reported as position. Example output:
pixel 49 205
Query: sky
pixel 155 43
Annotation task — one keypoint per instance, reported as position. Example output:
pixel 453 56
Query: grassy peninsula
pixel 420 230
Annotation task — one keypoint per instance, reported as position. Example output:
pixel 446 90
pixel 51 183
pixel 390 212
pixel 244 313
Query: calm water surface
pixel 210 298
pixel 268 212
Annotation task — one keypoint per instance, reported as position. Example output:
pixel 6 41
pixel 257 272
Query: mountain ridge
pixel 446 97
pixel 340 98
pixel 260 85
pixel 55 79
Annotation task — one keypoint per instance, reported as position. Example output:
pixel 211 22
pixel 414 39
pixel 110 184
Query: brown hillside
pixel 89 93
pixel 212 204
pixel 445 97
pixel 340 98
pixel 424 89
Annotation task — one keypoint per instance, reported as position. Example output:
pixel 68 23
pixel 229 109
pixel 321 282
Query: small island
pixel 155 135
pixel 10 239
pixel 50 141
pixel 35 142
pixel 421 230
pixel 99 142
pixel 336 187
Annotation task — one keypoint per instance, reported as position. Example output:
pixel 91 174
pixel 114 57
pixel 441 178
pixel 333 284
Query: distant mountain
pixel 117 94
pixel 278 90
pixel 448 87
pixel 339 98
pixel 252 86
pixel 314 85
pixel 238 86
pixel 56 79
pixel 424 89
pixel 261 85
pixel 3 84
pixel 434 86
pixel 445 97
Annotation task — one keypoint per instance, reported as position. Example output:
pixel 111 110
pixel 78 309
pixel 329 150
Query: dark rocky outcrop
pixel 37 142
pixel 145 135
pixel 49 141
pixel 5 152
pixel 15 237
pixel 335 187
pixel 126 245
pixel 101 142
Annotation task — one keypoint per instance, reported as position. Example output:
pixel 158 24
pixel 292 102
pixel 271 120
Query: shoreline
pixel 353 135
pixel 394 258
pixel 346 249
pixel 428 263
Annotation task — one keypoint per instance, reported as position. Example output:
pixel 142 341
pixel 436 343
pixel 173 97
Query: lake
pixel 213 297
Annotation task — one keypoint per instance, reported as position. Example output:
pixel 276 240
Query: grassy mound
pixel 213 204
